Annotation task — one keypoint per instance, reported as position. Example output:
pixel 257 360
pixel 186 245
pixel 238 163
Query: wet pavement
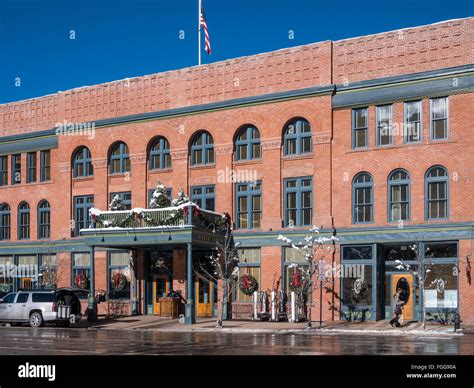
pixel 77 341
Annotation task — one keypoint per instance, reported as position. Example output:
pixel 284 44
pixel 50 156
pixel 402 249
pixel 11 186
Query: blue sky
pixel 116 39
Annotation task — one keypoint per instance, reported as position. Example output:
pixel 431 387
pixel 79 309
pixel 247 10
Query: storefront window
pixel 358 252
pixel 119 275
pixel 441 250
pixel 27 272
pixel 402 252
pixel 81 264
pixel 47 272
pixel 6 281
pixel 357 286
pixel 249 263
pixel 441 287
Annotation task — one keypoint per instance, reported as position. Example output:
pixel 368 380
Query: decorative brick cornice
pixel 321 138
pixel 271 143
pixel 224 149
pixel 99 163
pixel 138 158
pixel 64 167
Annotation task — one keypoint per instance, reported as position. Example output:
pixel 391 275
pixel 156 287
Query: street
pixel 78 341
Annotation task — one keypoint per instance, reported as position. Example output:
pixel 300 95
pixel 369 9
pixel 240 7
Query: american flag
pixel 203 24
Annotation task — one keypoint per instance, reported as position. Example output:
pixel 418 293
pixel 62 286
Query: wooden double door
pixel 206 297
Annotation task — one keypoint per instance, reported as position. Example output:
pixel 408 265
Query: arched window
pixel 119 159
pixel 82 163
pixel 44 220
pixel 202 149
pixel 23 221
pixel 159 156
pixel 4 222
pixel 297 137
pixel 362 198
pixel 436 193
pixel 247 143
pixel 399 196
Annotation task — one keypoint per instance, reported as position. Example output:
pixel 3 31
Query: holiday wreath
pixel 118 282
pixel 81 281
pixel 248 284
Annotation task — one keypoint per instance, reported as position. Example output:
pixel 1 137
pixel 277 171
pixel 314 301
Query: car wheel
pixel 36 320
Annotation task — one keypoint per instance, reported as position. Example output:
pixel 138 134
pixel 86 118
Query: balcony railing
pixel 188 214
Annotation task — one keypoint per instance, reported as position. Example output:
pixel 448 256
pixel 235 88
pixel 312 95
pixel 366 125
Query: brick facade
pixel 332 164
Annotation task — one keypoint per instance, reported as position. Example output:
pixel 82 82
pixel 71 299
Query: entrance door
pixel 405 283
pixel 204 298
pixel 160 290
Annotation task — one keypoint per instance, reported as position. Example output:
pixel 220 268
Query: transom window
pixel 247 143
pixel 297 137
pixel 384 125
pixel 5 222
pixel 119 159
pixel 159 157
pixel 202 149
pixel 44 220
pixel 362 198
pixel 436 193
pixel 360 128
pixel 23 221
pixel 439 118
pixel 249 205
pixel 298 201
pixel 83 163
pixel 399 195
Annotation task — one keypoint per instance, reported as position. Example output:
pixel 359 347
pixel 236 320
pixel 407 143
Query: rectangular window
pixel 298 201
pixel 27 272
pixel 3 170
pixel 413 126
pixel 82 219
pixel 81 270
pixel 384 125
pixel 31 164
pixel 16 169
pixel 249 263
pixel 357 285
pixel 119 275
pixel 442 286
pixel 45 165
pixel 48 272
pixel 441 250
pixel 363 206
pixel 125 198
pixel 439 118
pixel 204 197
pixel 6 277
pixel 360 126
pixel 437 200
pixel 249 205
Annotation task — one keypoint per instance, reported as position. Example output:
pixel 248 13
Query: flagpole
pixel 199 32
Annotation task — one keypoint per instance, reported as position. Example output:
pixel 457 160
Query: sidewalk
pixel 151 323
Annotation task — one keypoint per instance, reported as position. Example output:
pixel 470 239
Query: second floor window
pixel 45 165
pixel 31 164
pixel 439 118
pixel 5 222
pixel 3 170
pixel 399 195
pixel 23 221
pixel 436 193
pixel 202 149
pixel 297 137
pixel 119 159
pixel 360 128
pixel 82 219
pixel 298 201
pixel 159 157
pixel 247 143
pixel 249 205
pixel 204 197
pixel 82 163
pixel 16 169
pixel 44 220
pixel 362 198
pixel 125 199
pixel 384 125
pixel 413 127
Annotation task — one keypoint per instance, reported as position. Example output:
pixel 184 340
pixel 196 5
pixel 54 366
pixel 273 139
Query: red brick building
pixel 370 138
